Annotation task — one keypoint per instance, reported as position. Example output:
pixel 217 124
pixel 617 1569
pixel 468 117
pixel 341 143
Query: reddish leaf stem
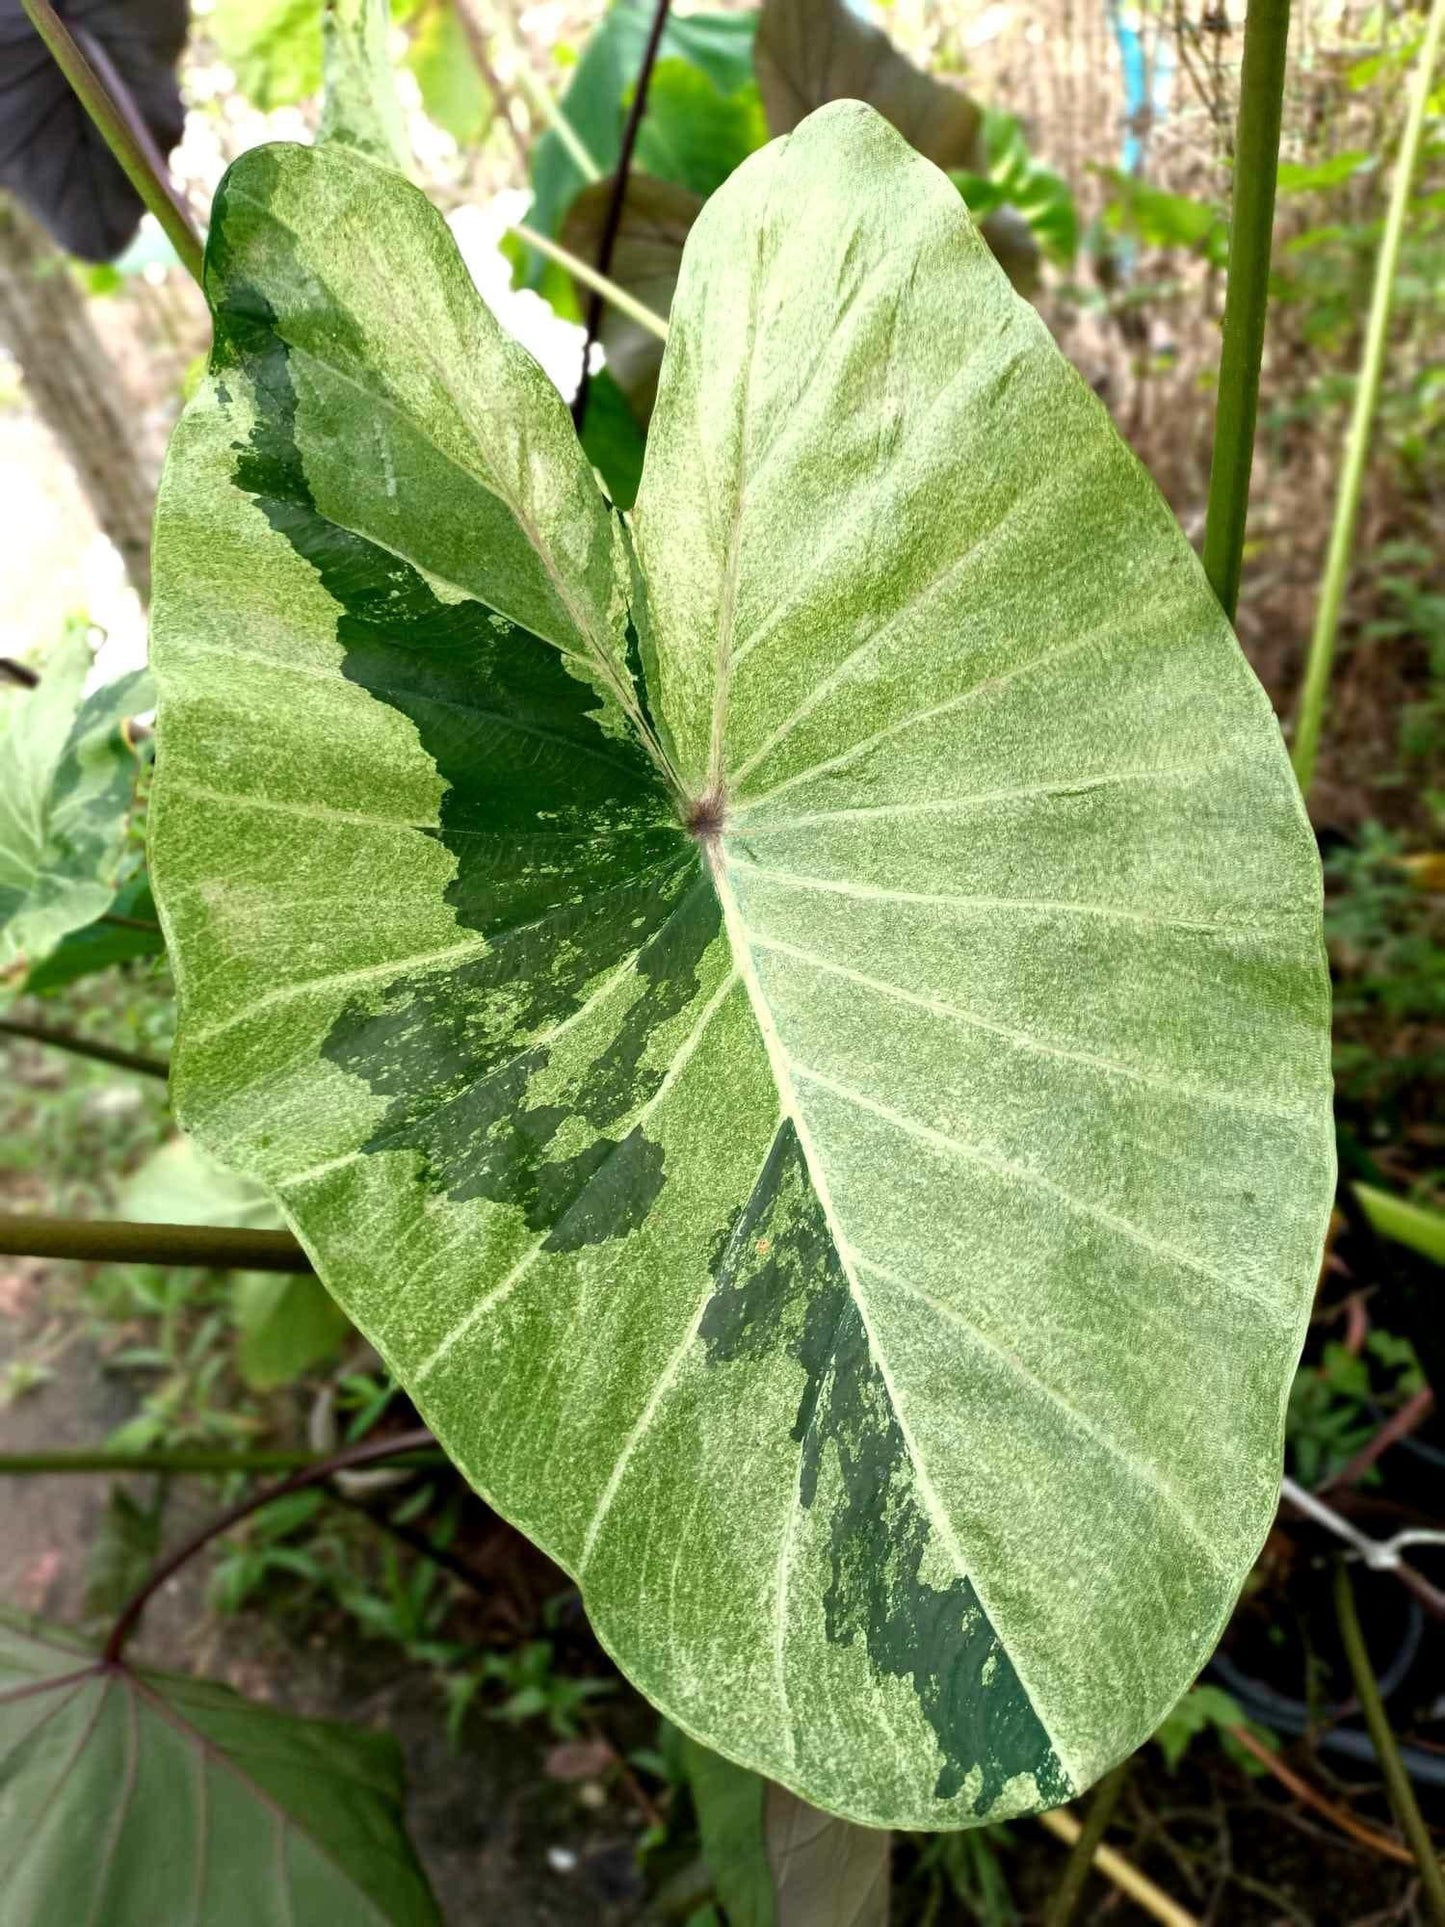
pixel 368 1452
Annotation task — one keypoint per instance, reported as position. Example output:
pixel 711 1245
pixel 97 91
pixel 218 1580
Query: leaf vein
pixel 1026 1040
pixel 1021 1174
pixel 1141 1472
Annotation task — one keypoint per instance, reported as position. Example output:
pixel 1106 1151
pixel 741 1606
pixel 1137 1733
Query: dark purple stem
pixel 613 223
pixel 369 1452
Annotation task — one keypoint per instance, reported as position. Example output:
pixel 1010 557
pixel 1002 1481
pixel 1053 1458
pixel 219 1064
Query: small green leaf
pixel 284 1325
pixel 99 945
pixel 136 1798
pixel 693 133
pixel 273 47
pixel 1307 177
pixel 1413 1225
pixel 1204 1709
pixel 67 784
pixel 1165 220
pixel 797 1023
pixel 453 93
pixel 180 1184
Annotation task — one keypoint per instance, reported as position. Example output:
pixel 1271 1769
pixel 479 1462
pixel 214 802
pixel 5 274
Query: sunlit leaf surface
pixel 804 1046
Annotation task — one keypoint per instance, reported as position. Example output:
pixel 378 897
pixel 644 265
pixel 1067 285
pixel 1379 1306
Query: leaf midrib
pixel 782 1069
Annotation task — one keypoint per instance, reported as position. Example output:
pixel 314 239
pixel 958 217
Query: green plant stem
pixel 113 1241
pixel 1256 162
pixel 590 278
pixel 1397 1780
pixel 126 1060
pixel 1067 1895
pixel 121 131
pixel 368 1452
pixel 146 924
pixel 1309 719
pixel 182 1461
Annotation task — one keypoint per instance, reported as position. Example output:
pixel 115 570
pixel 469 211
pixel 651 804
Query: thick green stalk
pixel 112 1241
pixel 1256 162
pixel 66 1040
pixel 589 277
pixel 126 141
pixel 1397 1780
pixel 1310 717
pixel 185 1460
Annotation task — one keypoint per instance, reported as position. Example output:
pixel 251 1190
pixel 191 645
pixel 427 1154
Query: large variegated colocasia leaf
pixel 819 1088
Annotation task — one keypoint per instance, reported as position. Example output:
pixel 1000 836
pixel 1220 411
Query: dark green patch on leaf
pixel 569 861
pixel 780 1283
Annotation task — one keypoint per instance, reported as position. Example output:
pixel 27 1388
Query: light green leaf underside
pixel 869 1251
pixel 67 782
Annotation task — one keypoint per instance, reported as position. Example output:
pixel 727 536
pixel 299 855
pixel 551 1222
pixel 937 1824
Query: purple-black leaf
pixel 52 157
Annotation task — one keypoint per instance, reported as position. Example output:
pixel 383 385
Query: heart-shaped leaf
pixel 820 1090
pixel 132 1799
pixel 67 783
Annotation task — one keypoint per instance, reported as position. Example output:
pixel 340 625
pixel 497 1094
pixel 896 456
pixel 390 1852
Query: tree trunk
pixel 76 387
